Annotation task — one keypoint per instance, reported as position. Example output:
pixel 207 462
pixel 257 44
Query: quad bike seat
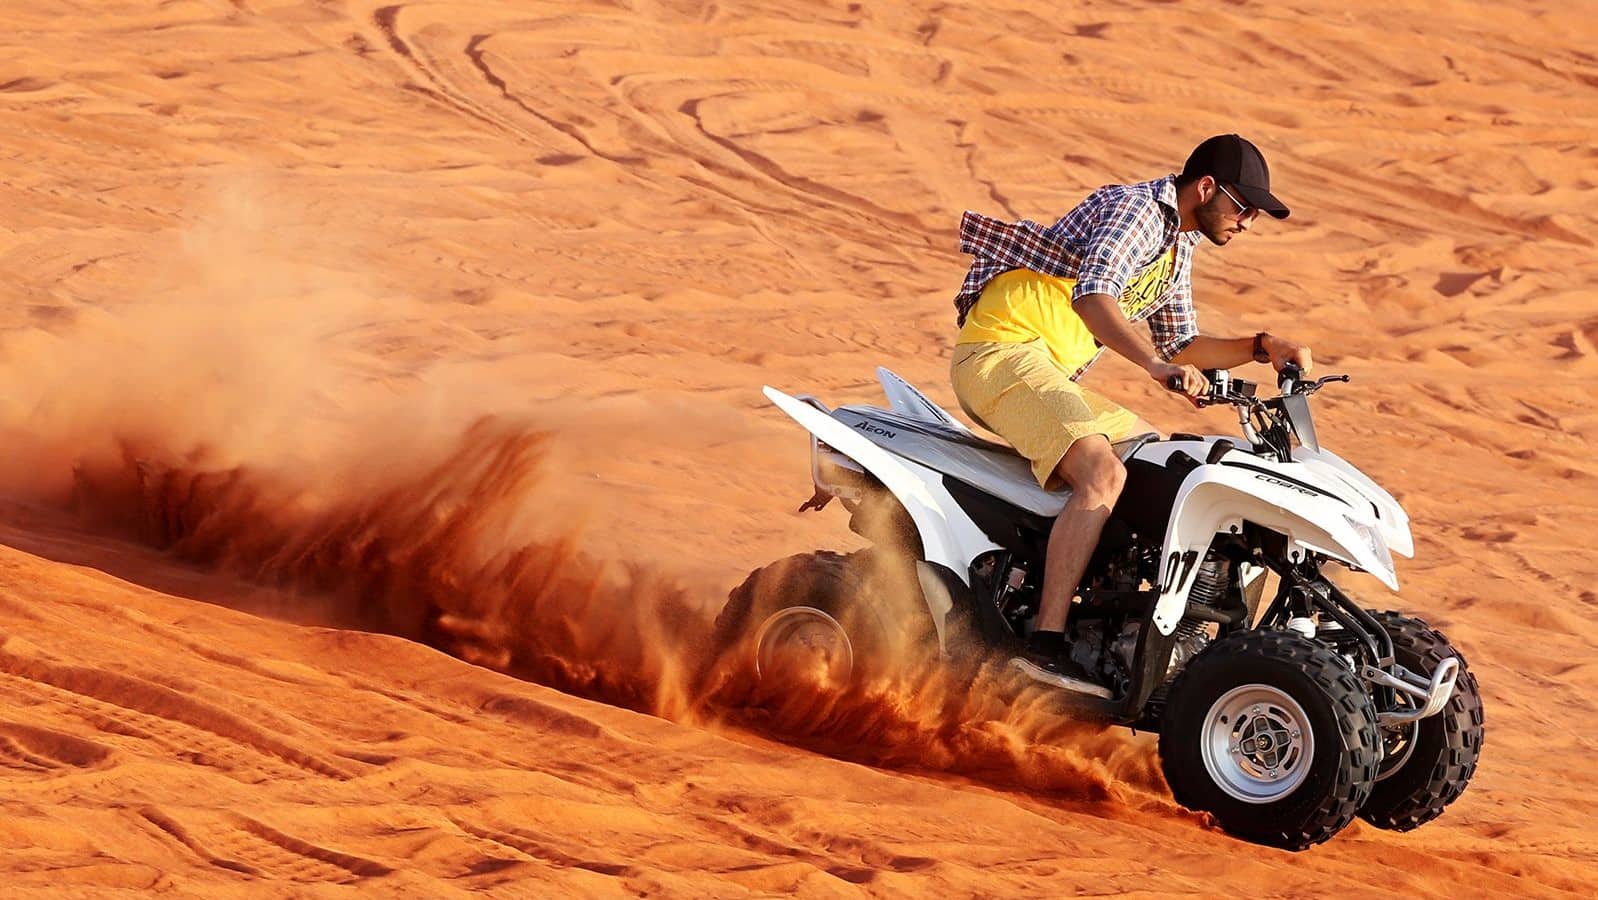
pixel 990 466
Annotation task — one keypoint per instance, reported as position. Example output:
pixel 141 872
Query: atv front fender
pixel 1219 498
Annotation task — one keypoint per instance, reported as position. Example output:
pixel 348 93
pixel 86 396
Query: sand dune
pixel 383 425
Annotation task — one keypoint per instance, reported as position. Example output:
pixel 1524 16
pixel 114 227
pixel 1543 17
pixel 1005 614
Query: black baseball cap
pixel 1238 164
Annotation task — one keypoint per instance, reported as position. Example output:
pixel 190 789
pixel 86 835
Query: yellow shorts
pixel 1017 391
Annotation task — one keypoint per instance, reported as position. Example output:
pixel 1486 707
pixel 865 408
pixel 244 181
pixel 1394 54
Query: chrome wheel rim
pixel 1257 742
pixel 805 643
pixel 1398 744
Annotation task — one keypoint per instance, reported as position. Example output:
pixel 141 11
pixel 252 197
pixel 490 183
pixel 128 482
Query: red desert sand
pixel 382 426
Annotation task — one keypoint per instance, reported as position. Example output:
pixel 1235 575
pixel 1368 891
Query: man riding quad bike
pixel 1199 563
pixel 1284 707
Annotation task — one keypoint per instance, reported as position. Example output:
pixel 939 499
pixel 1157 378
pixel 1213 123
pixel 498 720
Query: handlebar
pixel 1271 425
pixel 1225 389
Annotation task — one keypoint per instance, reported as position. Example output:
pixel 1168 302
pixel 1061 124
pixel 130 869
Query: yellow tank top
pixel 1022 305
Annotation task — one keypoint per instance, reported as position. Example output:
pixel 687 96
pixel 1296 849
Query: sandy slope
pixel 269 265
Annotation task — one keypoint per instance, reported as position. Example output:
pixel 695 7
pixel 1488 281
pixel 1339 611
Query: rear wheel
pixel 1430 762
pixel 1273 735
pixel 804 643
pixel 824 619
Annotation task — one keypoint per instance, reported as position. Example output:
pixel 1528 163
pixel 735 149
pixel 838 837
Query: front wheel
pixel 1428 763
pixel 1273 735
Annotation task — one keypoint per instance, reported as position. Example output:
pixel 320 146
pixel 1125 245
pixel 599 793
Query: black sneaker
pixel 1057 671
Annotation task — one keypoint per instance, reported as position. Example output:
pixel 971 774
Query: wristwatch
pixel 1260 356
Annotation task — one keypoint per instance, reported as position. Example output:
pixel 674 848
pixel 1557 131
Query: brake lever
pixel 1323 382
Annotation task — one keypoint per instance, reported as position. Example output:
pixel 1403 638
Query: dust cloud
pixel 233 421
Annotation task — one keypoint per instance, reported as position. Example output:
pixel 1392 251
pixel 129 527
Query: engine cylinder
pixel 1210 583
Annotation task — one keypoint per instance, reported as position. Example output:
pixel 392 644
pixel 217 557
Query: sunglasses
pixel 1245 213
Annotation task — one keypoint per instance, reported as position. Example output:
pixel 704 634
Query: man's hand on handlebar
pixel 1181 379
pixel 1283 351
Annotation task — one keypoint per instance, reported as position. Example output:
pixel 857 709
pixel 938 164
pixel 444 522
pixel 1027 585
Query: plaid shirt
pixel 1118 232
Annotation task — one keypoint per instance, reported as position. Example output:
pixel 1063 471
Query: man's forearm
pixel 1223 353
pixel 1105 319
pixel 1206 352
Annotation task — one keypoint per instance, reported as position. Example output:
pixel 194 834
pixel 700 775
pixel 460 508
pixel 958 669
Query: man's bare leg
pixel 1096 477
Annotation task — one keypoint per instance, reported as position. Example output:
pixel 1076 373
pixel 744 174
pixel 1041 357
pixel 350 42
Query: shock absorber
pixel 1192 633
pixel 1191 637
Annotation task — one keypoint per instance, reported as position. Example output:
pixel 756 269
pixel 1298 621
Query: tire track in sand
pixel 148 699
pixel 252 848
pixel 387 21
pixel 44 753
pixel 538 848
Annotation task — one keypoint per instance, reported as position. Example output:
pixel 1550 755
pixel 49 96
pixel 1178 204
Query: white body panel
pixel 1316 511
pixel 1392 520
pixel 904 398
pixel 1318 501
pixel 948 536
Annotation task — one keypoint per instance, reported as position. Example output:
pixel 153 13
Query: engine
pixel 1192 633
pixel 1101 640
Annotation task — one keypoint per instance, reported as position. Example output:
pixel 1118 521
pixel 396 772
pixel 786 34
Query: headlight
pixel 1373 540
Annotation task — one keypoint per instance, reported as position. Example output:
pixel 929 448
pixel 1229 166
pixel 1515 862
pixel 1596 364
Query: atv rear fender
pixel 948 536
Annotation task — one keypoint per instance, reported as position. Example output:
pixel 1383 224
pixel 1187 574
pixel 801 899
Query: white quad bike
pixel 1282 717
